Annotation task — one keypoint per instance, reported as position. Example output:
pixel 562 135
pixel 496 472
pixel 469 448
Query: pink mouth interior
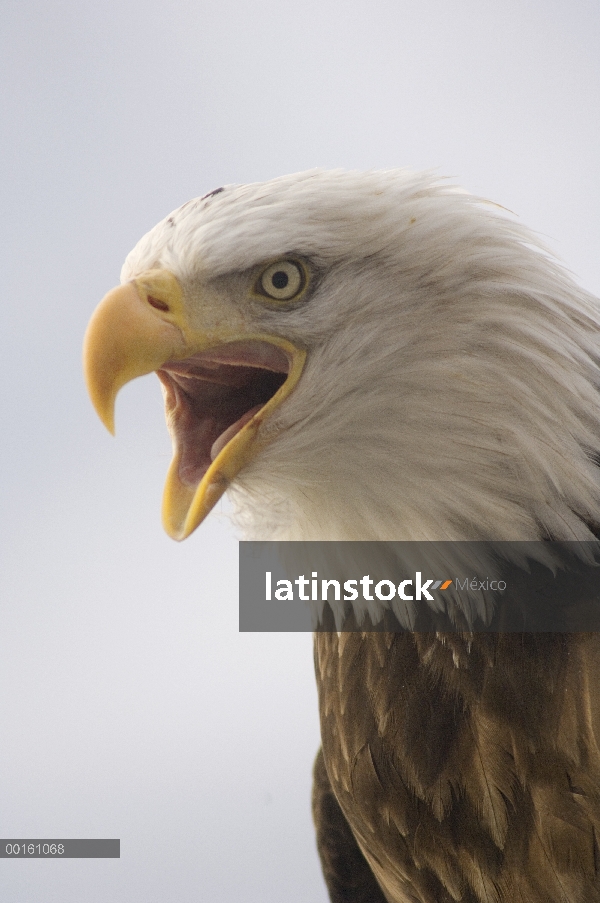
pixel 209 398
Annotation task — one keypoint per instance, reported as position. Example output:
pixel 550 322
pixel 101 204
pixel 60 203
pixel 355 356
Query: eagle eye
pixel 282 281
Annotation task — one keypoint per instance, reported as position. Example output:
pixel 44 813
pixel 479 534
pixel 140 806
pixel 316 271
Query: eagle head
pixel 373 355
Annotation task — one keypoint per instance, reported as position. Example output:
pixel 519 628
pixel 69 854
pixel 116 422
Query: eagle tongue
pixel 230 432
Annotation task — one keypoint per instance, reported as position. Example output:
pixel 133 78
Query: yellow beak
pixel 136 329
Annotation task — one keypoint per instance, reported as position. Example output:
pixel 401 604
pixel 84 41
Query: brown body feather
pixel 466 767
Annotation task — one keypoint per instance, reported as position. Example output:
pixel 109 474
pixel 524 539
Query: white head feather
pixel 451 385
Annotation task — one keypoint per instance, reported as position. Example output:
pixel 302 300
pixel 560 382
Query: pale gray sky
pixel 130 705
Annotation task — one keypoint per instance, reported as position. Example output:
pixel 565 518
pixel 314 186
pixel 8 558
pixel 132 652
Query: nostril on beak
pixel 157 303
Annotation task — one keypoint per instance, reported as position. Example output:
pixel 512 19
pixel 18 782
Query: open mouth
pixel 220 387
pixel 212 395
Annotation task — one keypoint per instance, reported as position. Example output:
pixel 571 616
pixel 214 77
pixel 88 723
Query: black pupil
pixel 280 279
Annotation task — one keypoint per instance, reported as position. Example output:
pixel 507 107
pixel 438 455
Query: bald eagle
pixel 382 356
